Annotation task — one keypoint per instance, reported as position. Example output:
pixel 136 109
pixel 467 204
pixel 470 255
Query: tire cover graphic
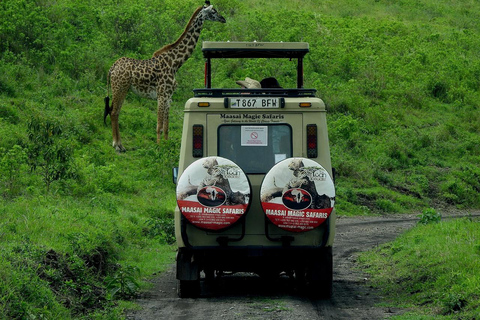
pixel 297 194
pixel 213 193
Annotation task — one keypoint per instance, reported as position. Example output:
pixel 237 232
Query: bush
pixel 162 228
pixel 11 163
pixel 49 154
pixel 123 282
pixel 429 215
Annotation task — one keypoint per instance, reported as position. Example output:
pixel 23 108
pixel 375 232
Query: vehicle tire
pixel 320 275
pixel 188 288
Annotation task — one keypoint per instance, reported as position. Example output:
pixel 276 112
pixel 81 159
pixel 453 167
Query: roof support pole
pixel 208 73
pixel 300 73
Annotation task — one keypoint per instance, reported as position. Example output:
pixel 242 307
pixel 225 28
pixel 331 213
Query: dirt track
pixel 245 296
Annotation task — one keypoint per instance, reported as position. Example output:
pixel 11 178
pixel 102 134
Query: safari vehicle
pixel 255 191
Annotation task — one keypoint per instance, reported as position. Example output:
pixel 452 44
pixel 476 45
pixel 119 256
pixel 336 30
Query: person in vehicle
pixel 249 83
pixel 270 82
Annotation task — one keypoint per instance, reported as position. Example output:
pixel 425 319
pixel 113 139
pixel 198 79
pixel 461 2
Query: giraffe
pixel 155 78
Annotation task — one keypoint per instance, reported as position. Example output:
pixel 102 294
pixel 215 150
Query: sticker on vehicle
pixel 297 194
pixel 213 193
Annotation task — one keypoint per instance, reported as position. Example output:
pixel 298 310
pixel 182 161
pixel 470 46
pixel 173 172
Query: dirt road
pixel 246 296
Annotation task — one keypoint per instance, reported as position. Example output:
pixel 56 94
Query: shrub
pixel 11 162
pixel 453 303
pixel 161 227
pixel 49 154
pixel 123 282
pixel 429 215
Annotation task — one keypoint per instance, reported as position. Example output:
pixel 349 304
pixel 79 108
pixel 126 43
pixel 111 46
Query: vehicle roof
pixel 254 49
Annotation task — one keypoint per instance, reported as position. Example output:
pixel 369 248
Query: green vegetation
pixel 80 224
pixel 269 305
pixel 432 269
pixel 430 215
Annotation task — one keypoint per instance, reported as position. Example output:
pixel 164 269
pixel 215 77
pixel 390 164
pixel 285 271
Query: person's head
pixel 270 82
pixel 249 83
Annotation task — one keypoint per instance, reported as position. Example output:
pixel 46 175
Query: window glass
pixel 255 148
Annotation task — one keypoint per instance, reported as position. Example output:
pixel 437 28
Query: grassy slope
pixel 435 276
pixel 400 80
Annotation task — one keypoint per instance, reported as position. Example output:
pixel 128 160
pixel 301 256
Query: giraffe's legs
pixel 160 117
pixel 116 106
pixel 166 113
pixel 117 143
pixel 164 99
pixel 165 126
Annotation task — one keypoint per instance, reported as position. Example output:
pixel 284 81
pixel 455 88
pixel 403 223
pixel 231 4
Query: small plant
pixel 49 154
pixel 453 302
pixel 123 282
pixel 11 162
pixel 162 227
pixel 477 248
pixel 429 216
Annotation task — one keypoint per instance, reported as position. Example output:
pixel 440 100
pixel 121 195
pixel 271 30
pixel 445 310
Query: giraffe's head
pixel 211 14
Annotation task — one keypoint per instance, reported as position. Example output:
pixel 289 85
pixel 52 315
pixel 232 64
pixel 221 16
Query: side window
pixel 255 148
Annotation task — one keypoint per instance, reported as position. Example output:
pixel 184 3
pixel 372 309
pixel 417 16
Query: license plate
pixel 247 103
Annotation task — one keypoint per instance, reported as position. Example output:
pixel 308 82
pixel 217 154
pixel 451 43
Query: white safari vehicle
pixel 255 188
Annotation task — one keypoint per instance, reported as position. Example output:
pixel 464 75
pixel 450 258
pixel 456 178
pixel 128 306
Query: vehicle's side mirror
pixel 175 175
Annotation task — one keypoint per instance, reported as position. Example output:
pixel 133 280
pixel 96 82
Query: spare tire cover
pixel 297 194
pixel 213 193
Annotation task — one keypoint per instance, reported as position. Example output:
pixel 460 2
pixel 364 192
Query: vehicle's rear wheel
pixel 319 275
pixel 188 288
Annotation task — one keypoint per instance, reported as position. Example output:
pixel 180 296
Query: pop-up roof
pixel 291 50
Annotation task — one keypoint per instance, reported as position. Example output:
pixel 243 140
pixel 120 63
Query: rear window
pixel 255 148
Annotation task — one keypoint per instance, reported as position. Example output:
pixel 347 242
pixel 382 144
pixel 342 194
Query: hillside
pixel 400 79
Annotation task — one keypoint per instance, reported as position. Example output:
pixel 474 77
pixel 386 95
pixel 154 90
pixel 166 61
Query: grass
pixel 69 247
pixel 269 305
pixel 431 269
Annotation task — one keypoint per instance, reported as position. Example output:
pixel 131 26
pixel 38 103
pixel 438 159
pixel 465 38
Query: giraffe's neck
pixel 179 51
pixel 185 47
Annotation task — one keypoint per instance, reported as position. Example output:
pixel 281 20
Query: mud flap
pixel 187 267
pixel 188 275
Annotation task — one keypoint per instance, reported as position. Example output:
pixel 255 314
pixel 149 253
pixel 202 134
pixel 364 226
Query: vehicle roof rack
pixel 228 49
pixel 266 92
pixel 290 50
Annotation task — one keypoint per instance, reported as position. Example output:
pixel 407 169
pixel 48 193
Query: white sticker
pixel 279 157
pixel 254 136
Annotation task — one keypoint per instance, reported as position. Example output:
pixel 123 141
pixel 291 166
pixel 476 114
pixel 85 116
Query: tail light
pixel 197 141
pixel 312 147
